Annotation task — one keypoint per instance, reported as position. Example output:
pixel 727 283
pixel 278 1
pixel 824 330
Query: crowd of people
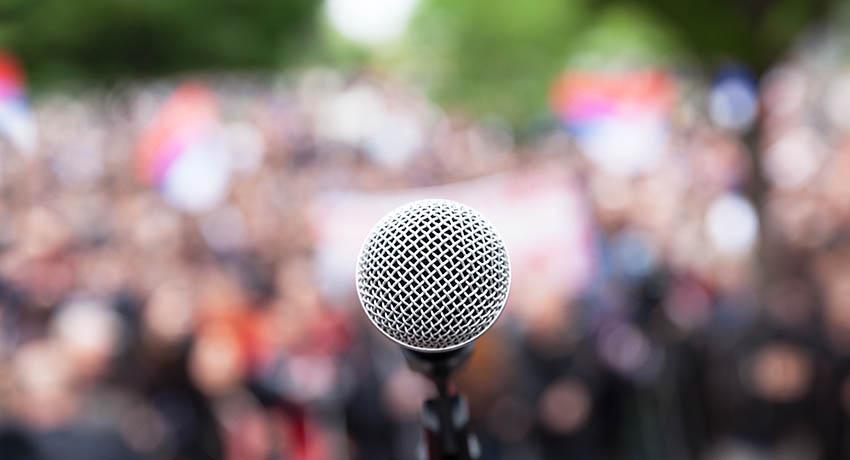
pixel 714 322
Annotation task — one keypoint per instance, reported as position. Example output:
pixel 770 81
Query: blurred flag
pixel 181 153
pixel 618 119
pixel 16 120
pixel 540 214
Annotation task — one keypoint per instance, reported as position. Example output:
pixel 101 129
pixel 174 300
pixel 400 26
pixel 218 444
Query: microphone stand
pixel 445 418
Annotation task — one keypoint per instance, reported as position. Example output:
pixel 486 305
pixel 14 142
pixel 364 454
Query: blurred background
pixel 184 186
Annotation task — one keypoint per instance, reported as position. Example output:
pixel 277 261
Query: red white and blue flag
pixel 619 119
pixel 181 153
pixel 17 124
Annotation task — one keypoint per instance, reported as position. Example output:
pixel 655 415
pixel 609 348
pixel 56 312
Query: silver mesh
pixel 433 275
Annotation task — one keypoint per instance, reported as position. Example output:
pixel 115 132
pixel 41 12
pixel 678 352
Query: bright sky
pixel 370 22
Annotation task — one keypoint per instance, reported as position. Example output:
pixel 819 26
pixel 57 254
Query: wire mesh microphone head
pixel 433 275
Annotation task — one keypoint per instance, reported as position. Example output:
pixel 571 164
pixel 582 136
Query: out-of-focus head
pixel 42 375
pixel 89 332
pixel 433 275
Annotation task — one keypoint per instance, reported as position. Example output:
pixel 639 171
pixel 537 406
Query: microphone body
pixel 433 276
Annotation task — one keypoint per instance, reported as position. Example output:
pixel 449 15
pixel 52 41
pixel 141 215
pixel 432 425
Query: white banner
pixel 541 214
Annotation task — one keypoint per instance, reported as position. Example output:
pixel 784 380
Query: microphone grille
pixel 433 275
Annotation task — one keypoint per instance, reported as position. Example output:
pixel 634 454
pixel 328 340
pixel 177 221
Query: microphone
pixel 433 276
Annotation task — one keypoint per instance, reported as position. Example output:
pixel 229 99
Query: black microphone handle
pixel 445 418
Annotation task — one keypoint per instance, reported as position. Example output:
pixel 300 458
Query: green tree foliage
pixel 488 57
pixel 500 57
pixel 107 39
pixel 493 56
pixel 753 32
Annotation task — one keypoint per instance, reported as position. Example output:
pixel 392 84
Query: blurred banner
pixel 540 213
pixel 16 120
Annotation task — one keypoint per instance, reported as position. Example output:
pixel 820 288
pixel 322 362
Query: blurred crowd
pixel 173 320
